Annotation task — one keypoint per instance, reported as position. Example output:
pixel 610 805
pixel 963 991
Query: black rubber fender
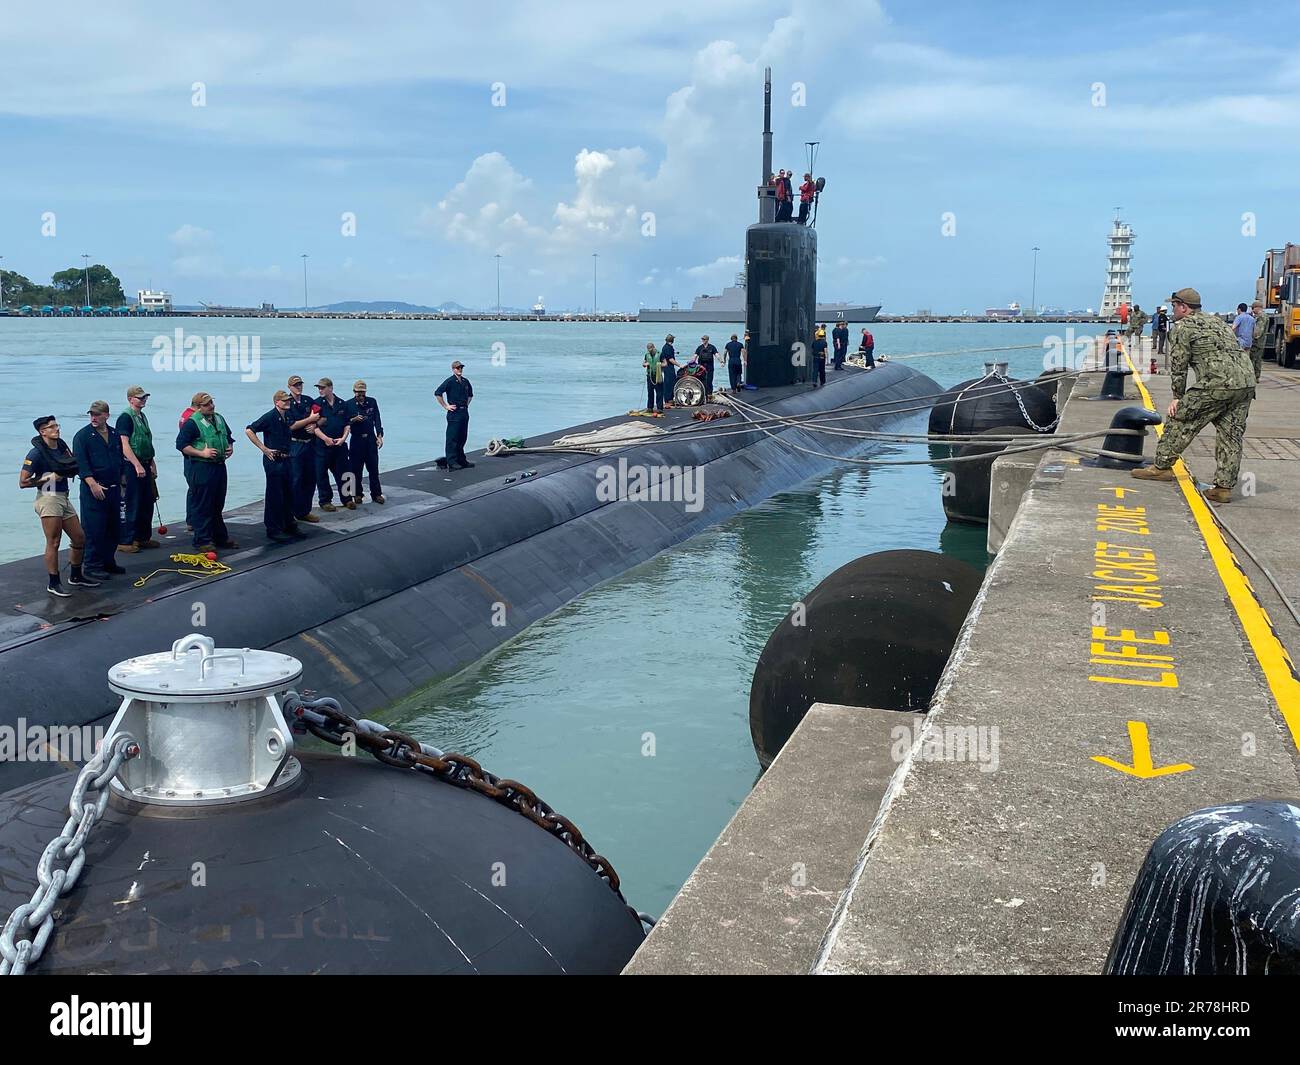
pixel 877 632
pixel 966 491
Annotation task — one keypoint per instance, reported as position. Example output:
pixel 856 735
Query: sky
pixel 204 149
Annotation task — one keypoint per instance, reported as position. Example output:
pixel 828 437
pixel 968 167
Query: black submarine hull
pixel 359 868
pixel 376 614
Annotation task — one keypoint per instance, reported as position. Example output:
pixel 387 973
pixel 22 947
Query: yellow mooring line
pixel 1279 670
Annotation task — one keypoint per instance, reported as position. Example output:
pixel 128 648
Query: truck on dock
pixel 1278 288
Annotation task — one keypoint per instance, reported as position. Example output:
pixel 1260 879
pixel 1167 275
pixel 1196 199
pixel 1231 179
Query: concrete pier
pixel 760 900
pixel 1124 664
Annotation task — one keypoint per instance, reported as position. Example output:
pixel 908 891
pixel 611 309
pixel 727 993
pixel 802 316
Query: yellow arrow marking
pixel 1142 768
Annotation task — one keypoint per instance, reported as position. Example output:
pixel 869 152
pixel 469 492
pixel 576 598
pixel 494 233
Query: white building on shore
pixel 150 300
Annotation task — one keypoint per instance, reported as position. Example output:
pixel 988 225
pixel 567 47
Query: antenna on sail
pixel 766 193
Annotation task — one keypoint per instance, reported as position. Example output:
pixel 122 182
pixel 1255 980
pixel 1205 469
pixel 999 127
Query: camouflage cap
pixel 280 394
pixel 136 391
pixel 98 407
pixel 295 380
pixel 1188 296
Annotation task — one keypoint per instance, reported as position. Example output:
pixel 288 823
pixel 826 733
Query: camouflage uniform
pixel 1137 320
pixel 1258 339
pixel 1225 385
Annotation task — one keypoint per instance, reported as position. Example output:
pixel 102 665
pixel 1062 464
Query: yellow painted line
pixel 1279 670
pixel 329 656
pixel 1143 767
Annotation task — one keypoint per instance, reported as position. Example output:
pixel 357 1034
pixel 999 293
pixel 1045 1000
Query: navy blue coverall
pixel 103 460
pixel 363 446
pixel 277 510
pixel 457 392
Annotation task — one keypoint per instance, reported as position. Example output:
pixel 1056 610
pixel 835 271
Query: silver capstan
pixel 209 723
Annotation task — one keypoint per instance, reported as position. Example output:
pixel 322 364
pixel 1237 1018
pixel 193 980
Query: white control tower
pixel 1119 267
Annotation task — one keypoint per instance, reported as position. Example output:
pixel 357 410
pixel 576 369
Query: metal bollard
pixel 1120 444
pixel 1112 386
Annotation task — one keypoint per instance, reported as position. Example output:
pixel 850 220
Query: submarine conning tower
pixel 781 283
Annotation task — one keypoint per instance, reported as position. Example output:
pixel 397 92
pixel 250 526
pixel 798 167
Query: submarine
pixel 367 609
pixel 377 606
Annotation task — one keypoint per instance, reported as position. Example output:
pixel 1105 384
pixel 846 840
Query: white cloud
pixel 724 265
pixel 196 252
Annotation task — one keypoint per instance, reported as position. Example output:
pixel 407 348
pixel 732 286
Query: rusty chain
pixel 325 720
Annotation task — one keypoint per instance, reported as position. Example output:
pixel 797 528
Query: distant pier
pixel 477 316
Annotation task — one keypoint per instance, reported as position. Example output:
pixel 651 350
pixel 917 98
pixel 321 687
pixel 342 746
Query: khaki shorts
pixel 54 505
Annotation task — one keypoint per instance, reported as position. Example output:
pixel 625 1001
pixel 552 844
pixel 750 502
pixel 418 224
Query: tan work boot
pixel 147 545
pixel 329 508
pixel 310 518
pixel 1219 495
pixel 127 549
pixel 1153 473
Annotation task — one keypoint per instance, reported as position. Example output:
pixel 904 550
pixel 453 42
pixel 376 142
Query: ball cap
pixel 43 421
pixel 295 380
pixel 136 391
pixel 324 381
pixel 280 394
pixel 458 365
pixel 98 407
pixel 1188 296
pixel 358 386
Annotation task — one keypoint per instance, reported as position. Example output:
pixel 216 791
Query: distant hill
pixel 380 306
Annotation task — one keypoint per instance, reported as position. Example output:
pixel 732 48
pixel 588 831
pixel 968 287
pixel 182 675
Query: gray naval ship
pixel 730 307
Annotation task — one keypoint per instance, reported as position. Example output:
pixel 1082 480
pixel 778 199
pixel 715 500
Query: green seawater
pixel 627 710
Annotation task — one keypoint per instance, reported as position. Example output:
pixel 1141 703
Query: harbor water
pixel 627 710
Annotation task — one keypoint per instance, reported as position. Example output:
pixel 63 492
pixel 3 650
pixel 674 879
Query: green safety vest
pixel 214 434
pixel 141 436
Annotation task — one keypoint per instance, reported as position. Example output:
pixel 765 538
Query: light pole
pixel 594 257
pixel 1033 299
pixel 85 262
pixel 498 258
pixel 2 285
pixel 304 281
